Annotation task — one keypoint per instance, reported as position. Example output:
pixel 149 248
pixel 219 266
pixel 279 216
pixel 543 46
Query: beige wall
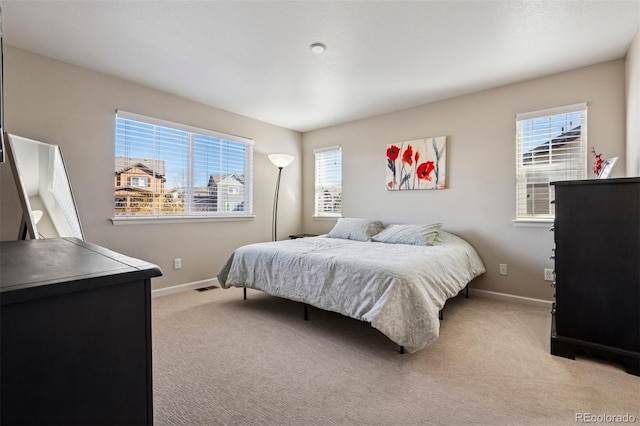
pixel 480 201
pixel 73 107
pixel 633 107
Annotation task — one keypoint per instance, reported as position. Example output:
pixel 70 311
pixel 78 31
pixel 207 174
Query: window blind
pixel 328 181
pixel 169 169
pixel 551 145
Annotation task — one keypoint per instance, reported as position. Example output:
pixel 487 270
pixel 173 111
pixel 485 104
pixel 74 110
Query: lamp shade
pixel 281 160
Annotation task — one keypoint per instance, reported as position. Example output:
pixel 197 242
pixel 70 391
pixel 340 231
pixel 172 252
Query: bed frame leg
pixel 402 349
pixel 441 315
pixel 466 291
pixel 306 312
pixel 245 293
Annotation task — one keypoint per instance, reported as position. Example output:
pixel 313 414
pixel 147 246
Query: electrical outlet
pixel 503 269
pixel 177 263
pixel 549 275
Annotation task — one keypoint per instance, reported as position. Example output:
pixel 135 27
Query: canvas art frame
pixel 417 164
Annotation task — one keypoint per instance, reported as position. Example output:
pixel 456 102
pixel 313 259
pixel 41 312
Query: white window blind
pixel 328 189
pixel 551 145
pixel 186 171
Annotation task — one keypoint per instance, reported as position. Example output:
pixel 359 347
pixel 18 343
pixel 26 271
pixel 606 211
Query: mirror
pixel 49 210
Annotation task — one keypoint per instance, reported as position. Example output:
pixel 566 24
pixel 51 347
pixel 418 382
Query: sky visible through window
pixel 211 155
pixel 330 167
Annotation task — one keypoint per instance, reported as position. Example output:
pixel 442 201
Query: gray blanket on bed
pixel 398 288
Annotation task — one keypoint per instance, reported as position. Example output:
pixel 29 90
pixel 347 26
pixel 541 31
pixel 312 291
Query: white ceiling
pixel 253 57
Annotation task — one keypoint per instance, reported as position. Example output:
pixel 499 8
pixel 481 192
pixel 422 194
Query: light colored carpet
pixel 218 359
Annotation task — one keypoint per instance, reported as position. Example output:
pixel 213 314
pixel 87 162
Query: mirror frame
pixel 28 223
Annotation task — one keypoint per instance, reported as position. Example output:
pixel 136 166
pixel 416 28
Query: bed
pixel 398 288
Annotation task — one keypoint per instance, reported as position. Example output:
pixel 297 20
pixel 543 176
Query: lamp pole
pixel 280 161
pixel 274 230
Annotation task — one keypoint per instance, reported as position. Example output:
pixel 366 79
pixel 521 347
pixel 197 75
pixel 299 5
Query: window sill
pixel 176 219
pixel 326 217
pixel 533 223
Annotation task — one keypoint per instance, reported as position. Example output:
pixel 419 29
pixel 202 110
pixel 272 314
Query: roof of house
pixel 216 179
pixel 151 165
pixel 558 141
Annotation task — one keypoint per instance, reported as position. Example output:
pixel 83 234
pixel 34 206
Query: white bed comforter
pixel 398 288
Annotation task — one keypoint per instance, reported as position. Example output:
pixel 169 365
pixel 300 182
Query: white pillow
pixel 355 229
pixel 418 235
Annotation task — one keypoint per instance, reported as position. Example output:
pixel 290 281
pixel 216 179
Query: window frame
pixel 139 179
pixel 574 165
pixel 321 213
pixel 189 216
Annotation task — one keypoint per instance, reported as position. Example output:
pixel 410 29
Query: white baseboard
pixel 184 287
pixel 510 298
pixel 472 291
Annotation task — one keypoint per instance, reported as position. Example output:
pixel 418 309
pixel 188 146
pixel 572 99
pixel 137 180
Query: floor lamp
pixel 280 161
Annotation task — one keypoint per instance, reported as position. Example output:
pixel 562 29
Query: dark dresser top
pixel 608 181
pixel 28 269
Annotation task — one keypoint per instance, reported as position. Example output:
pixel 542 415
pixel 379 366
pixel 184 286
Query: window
pixel 551 146
pixel 139 181
pixel 168 169
pixel 231 206
pixel 328 193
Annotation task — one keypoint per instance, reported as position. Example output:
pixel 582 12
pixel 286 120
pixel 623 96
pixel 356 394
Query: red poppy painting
pixel 417 164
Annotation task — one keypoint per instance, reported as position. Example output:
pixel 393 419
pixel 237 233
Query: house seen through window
pixel 169 169
pixel 551 145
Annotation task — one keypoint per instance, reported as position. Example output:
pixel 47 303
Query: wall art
pixel 417 164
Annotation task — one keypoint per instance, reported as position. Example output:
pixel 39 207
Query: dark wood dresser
pixel 75 335
pixel 597 267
